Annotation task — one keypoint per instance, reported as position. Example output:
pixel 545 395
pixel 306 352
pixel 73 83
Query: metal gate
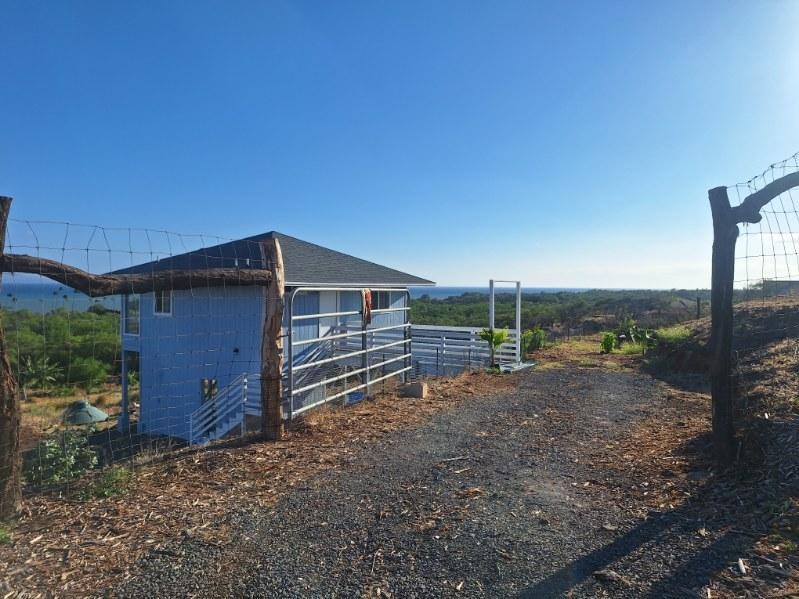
pixel 332 352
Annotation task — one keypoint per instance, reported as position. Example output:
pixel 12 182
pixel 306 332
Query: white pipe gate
pixel 345 359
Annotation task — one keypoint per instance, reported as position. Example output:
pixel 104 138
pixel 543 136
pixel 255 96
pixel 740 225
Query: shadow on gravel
pixel 694 572
pixel 690 379
pixel 734 504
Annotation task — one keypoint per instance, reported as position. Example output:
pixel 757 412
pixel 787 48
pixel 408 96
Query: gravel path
pixel 492 499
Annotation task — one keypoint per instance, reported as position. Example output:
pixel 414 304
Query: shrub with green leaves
pixel 675 334
pixel 110 483
pixel 608 343
pixel 533 339
pixel 495 338
pixel 89 373
pixel 38 372
pixel 59 458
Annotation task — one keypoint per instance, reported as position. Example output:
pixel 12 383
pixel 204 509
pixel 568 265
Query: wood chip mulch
pixel 61 546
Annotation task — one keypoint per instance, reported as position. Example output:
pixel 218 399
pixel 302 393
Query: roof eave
pixel 360 285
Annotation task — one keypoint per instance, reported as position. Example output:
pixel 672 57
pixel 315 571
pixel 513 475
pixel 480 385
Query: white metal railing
pixel 347 364
pixel 221 414
pixel 438 350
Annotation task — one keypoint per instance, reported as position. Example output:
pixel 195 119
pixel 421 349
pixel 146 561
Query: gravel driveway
pixel 491 499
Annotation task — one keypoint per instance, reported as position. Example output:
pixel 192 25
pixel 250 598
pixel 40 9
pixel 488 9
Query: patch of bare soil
pixel 61 546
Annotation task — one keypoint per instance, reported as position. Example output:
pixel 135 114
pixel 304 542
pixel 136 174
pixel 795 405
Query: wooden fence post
pixel 272 345
pixel 10 465
pixel 725 234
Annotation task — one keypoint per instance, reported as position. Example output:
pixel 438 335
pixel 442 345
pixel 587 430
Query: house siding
pixel 197 340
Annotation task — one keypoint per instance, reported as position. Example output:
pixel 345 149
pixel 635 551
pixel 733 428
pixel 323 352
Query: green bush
pixel 60 457
pixel 675 334
pixel 608 343
pixel 87 372
pixel 495 339
pixel 110 483
pixel 38 372
pixel 533 339
pixel 633 349
pixel 133 379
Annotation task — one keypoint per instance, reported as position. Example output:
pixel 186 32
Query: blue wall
pixel 197 340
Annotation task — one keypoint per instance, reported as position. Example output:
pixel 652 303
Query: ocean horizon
pixel 444 292
pixel 46 297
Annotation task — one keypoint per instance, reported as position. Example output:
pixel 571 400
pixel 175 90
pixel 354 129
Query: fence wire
pixel 766 310
pixel 107 383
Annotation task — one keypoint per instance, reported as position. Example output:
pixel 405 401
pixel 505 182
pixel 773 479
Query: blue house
pixel 198 351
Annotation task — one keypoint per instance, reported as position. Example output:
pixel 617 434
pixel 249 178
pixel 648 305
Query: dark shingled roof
pixel 304 264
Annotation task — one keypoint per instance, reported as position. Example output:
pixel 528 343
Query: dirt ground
pixel 579 483
pixel 581 477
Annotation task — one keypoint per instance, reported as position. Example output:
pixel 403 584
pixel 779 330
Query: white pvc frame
pixel 491 321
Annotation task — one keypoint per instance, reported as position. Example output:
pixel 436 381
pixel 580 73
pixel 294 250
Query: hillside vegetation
pixel 594 310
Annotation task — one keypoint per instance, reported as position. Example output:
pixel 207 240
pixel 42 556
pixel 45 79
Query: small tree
pixel 495 339
pixel 38 372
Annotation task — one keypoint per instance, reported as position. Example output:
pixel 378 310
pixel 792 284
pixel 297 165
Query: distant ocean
pixel 45 297
pixel 445 292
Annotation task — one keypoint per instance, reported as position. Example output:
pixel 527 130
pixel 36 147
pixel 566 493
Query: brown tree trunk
pixel 272 345
pixel 10 465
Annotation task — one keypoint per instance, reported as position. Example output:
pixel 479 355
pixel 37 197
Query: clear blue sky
pixel 562 143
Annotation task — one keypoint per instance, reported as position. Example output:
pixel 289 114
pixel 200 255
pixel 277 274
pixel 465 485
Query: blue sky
pixel 560 143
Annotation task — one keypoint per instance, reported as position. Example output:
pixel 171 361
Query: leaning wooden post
pixel 272 345
pixel 725 234
pixel 10 465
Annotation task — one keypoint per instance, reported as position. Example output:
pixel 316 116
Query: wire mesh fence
pixel 763 371
pixel 766 339
pixel 109 382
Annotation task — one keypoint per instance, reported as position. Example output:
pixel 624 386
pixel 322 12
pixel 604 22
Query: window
pixel 131 322
pixel 380 300
pixel 163 302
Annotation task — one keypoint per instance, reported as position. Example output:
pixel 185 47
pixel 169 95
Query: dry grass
pixel 41 415
pixel 64 548
pixel 584 352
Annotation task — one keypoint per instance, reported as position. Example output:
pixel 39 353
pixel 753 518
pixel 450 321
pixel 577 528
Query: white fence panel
pixel 441 350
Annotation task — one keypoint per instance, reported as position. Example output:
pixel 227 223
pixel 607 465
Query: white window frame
pixel 156 312
pixel 126 318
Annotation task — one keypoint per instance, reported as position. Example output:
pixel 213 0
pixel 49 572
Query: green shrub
pixel 60 457
pixel 533 339
pixel 133 379
pixel 633 349
pixel 110 483
pixel 675 334
pixel 608 343
pixel 38 372
pixel 87 372
pixel 495 339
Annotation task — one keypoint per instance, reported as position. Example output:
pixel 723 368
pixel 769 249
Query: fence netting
pixel 766 296
pixel 91 408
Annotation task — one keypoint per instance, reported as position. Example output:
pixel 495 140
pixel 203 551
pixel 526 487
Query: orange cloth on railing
pixel 366 306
